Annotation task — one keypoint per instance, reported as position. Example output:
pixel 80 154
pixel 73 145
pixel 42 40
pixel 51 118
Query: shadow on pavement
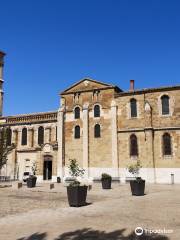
pixel 35 236
pixel 89 234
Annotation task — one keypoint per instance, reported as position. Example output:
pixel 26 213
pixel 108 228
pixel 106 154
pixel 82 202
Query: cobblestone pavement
pixel 44 214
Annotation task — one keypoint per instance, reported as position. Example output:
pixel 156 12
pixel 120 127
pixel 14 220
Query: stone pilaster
pixel 53 133
pixel 115 164
pixel 85 139
pixel 30 137
pixel 60 139
pixel 14 135
pixel 47 136
pixel 149 140
pixel 35 136
pixel 19 136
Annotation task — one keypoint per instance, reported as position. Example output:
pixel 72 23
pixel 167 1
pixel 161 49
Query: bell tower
pixel 2 54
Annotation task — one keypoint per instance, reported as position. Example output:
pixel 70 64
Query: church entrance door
pixel 47 169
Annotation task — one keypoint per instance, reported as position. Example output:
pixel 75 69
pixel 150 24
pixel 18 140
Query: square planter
pixel 31 181
pixel 77 195
pixel 106 183
pixel 137 187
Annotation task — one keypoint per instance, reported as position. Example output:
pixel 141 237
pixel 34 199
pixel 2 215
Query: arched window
pixel 77 132
pixel 133 146
pixel 97 131
pixel 24 137
pixel 40 135
pixel 165 104
pixel 77 113
pixel 9 136
pixel 167 148
pixel 96 111
pixel 133 104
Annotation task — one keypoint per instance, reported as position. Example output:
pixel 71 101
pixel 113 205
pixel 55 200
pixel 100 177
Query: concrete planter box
pixel 137 187
pixel 106 183
pixel 31 181
pixel 77 195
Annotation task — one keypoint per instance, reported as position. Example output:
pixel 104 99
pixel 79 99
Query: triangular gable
pixel 87 84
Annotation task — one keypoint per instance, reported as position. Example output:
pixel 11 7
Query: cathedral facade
pixel 101 126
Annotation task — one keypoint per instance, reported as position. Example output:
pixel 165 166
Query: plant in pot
pixel 106 181
pixel 31 180
pixel 137 185
pixel 76 190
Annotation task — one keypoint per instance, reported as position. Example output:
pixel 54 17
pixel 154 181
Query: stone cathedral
pixel 101 126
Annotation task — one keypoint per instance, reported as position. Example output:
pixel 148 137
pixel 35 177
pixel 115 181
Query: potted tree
pixel 137 185
pixel 76 190
pixel 106 181
pixel 31 180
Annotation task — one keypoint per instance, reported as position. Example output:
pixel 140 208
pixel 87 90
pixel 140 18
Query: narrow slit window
pixel 97 131
pixel 77 113
pixel 133 104
pixel 96 111
pixel 24 137
pixel 40 135
pixel 133 146
pixel 77 132
pixel 165 104
pixel 9 136
pixel 167 148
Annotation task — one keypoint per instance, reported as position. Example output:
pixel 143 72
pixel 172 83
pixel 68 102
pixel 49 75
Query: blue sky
pixel 51 44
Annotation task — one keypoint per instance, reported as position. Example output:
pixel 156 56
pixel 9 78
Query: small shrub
pixel 105 176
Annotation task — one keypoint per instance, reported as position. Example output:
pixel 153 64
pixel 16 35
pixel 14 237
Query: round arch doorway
pixel 47 168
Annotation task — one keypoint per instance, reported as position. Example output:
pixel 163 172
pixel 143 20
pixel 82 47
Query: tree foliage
pixel 74 169
pixel 134 168
pixel 4 148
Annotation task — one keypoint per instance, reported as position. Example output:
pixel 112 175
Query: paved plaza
pixel 44 214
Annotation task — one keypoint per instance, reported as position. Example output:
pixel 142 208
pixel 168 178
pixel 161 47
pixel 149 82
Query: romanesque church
pixel 101 126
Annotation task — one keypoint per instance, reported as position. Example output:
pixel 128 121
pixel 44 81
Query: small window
pixel 40 135
pixel 97 131
pixel 24 137
pixel 9 136
pixel 167 149
pixel 96 111
pixel 133 146
pixel 77 132
pixel 77 113
pixel 133 104
pixel 165 104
